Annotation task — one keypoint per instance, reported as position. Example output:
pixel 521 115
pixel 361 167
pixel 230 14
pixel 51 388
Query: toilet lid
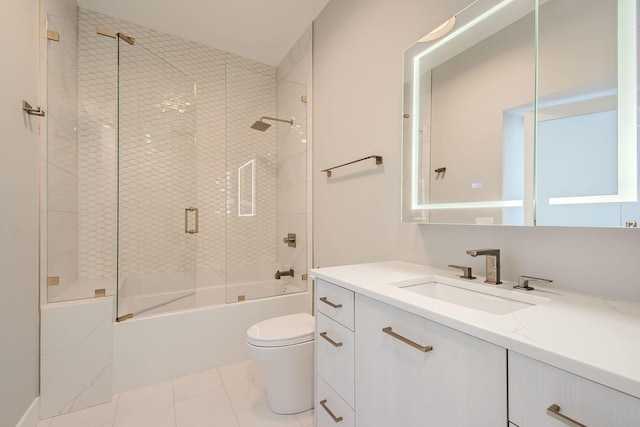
pixel 284 330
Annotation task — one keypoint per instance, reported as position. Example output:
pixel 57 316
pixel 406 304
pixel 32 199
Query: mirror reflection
pixel 487 140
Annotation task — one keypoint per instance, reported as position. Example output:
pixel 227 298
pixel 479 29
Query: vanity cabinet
pixel 335 302
pixel 335 377
pixel 335 345
pixel 397 359
pixel 544 396
pixel 411 371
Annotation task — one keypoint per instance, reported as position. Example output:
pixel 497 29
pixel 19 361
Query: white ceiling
pixel 263 30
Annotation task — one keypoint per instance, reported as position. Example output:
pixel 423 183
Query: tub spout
pixel 279 273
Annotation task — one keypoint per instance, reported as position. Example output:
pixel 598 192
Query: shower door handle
pixel 186 220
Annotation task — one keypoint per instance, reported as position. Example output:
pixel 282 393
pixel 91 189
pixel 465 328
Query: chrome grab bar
pixel 324 300
pixel 333 343
pixel 186 220
pixel 323 403
pixel 554 412
pixel 422 348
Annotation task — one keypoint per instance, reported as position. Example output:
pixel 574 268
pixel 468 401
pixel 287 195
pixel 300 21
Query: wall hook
pixel 32 111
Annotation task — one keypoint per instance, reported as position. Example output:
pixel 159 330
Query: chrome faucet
pixel 492 264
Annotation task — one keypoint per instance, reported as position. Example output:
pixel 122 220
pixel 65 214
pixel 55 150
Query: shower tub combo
pixel 153 192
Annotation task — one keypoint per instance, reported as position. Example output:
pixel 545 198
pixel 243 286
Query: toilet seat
pixel 282 331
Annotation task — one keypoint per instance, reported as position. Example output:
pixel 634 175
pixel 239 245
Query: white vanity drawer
pixel 414 372
pixel 330 409
pixel 334 346
pixel 534 387
pixel 335 302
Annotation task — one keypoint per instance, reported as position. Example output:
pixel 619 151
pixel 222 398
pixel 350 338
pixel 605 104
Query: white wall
pixel 358 46
pixel 19 213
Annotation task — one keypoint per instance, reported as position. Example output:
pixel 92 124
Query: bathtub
pixel 192 335
pixel 86 356
pixel 169 301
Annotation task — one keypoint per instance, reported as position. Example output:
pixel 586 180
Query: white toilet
pixel 283 347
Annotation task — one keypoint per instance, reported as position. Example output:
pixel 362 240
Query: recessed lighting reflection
pixel 440 31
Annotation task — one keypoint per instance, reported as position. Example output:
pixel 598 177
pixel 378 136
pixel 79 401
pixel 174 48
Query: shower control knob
pixel 290 240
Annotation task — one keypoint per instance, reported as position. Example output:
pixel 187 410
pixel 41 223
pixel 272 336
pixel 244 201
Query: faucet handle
pixel 465 270
pixel 523 282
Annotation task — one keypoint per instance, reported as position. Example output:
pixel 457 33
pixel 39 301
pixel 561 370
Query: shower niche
pixel 157 190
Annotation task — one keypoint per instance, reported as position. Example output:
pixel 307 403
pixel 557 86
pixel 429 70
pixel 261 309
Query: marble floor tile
pixel 206 410
pixel 307 418
pixel 196 384
pixel 261 416
pixel 95 416
pixel 244 384
pixel 151 406
pixel 229 396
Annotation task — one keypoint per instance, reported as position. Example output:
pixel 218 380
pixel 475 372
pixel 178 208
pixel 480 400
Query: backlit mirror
pixel 487 140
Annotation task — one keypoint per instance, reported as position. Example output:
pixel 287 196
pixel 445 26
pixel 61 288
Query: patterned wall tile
pixel 162 170
pixel 97 166
pixel 169 159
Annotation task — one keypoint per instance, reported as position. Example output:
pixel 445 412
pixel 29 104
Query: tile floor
pixel 229 396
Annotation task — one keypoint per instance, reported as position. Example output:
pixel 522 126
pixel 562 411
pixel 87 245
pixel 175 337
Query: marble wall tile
pixel 293 199
pixel 76 355
pixel 62 232
pixel 295 157
pixel 292 171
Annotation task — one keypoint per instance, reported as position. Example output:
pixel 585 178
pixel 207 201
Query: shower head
pixel 262 126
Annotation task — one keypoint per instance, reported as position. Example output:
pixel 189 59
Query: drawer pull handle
pixel 324 300
pixel 413 344
pixel 333 343
pixel 323 403
pixel 554 412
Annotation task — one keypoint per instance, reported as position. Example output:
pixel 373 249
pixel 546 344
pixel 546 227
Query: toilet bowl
pixel 284 347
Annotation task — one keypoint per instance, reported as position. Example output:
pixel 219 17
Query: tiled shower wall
pixel 58 155
pixel 295 157
pixel 232 92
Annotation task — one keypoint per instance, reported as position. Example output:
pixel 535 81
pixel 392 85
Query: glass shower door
pixel 157 205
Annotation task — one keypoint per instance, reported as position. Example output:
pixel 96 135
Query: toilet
pixel 284 348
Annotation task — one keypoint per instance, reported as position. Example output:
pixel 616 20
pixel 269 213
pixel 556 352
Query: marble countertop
pixel 596 338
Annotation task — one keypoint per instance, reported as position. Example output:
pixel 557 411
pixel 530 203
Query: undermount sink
pixel 471 295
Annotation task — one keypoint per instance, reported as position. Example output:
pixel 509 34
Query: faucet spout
pixel 280 274
pixel 492 263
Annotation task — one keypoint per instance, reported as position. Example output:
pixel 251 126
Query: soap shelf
pixel 328 170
